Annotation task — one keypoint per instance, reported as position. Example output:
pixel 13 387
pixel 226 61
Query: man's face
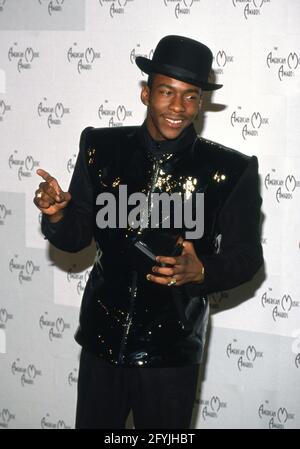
pixel 172 106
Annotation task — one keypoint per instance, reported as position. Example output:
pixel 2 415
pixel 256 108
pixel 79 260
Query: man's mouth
pixel 174 123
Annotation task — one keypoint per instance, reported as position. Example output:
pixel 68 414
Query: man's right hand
pixel 50 198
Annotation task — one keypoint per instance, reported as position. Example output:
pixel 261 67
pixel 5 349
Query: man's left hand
pixel 179 270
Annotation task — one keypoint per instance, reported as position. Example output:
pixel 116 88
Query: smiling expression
pixel 172 105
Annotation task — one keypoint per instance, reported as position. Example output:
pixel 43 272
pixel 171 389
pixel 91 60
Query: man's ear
pixel 145 94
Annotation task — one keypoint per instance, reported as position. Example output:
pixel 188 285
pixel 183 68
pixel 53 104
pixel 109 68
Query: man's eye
pixel 166 92
pixel 191 97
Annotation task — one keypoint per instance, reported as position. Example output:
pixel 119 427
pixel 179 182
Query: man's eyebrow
pixel 191 90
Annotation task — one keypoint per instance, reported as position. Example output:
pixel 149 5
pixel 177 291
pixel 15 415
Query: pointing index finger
pixel 44 174
pixel 50 180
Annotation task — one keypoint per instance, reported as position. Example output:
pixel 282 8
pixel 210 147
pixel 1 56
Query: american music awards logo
pixel 84 59
pixel 5 417
pixel 245 358
pixel 279 307
pixel 52 6
pixel 250 8
pixel 249 125
pixel 22 58
pixel 4 317
pixel 54 114
pixel 24 270
pixel 4 212
pixel 48 423
pixel 180 7
pixel 4 108
pixel 222 60
pixel 285 65
pixel 211 408
pixel 114 116
pixel 275 418
pixel 116 7
pixel 27 374
pixel 79 279
pixel 25 166
pixel 283 188
pixel 135 52
pixel 55 328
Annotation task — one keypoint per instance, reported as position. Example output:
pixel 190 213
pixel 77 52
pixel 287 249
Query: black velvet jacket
pixel 124 318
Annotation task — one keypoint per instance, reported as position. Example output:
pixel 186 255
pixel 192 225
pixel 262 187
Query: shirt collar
pixel 166 147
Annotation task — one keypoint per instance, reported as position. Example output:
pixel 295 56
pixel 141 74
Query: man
pixel 143 319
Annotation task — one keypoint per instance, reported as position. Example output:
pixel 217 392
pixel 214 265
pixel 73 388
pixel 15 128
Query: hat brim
pixel 148 66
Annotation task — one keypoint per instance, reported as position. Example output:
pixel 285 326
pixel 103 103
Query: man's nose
pixel 177 104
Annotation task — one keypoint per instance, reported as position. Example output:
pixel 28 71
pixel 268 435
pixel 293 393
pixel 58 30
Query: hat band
pixel 180 72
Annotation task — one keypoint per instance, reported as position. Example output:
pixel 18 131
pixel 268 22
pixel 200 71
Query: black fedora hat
pixel 181 58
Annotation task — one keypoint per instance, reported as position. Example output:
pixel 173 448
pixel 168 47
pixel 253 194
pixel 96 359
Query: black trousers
pixel 160 398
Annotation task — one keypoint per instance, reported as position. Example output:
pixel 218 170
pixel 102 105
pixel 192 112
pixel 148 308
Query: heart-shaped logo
pixel 256 120
pixel 215 404
pixel 29 163
pixel 3 315
pixel 29 54
pixel 122 3
pixel 31 371
pixel 221 58
pixel 2 107
pixel 251 353
pixel 188 3
pixel 5 415
pixel 258 6
pixel 293 61
pixel 286 303
pixel 121 113
pixel 290 183
pixel 59 110
pixel 29 267
pixel 2 211
pixel 60 325
pixel 282 415
pixel 89 55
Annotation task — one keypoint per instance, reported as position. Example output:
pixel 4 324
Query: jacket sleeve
pixel 75 230
pixel 240 254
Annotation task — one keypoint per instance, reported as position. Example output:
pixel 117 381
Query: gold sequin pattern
pixel 219 177
pixel 91 155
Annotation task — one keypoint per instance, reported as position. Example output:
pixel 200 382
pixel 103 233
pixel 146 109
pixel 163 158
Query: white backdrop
pixel 68 64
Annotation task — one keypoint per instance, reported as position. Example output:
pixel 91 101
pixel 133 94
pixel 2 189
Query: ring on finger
pixel 172 282
pixel 39 195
